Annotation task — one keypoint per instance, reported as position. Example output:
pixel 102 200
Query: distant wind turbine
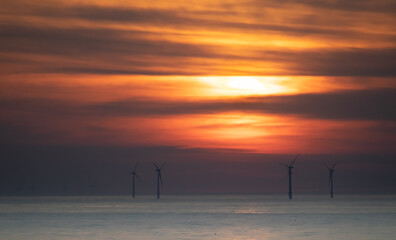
pixel 159 178
pixel 290 167
pixel 134 174
pixel 331 171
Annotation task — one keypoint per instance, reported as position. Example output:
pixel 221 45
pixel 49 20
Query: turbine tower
pixel 290 167
pixel 331 171
pixel 159 178
pixel 134 174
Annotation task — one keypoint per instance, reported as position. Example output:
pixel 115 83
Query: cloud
pixel 206 19
pixel 376 104
pixel 348 121
pixel 111 51
pixel 80 42
pixel 383 6
pixel 336 62
pixel 221 40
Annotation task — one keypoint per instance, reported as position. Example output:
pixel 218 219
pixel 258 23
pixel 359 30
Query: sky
pixel 222 91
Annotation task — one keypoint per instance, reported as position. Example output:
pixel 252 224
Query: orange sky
pixel 260 76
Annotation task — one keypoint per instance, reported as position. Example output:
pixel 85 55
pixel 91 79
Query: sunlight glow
pixel 245 83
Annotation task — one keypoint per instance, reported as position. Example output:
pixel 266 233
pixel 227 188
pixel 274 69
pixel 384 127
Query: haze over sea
pixel 198 217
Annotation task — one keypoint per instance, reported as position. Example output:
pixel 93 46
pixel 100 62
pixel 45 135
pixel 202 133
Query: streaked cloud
pixel 376 104
pixel 211 38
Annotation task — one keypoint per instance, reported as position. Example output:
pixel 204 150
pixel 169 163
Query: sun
pixel 245 83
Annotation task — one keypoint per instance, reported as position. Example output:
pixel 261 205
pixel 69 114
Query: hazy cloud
pixel 110 51
pixel 80 42
pixel 385 6
pixel 377 104
pixel 166 47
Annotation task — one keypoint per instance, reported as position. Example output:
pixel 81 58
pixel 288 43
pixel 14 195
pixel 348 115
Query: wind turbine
pixel 331 171
pixel 159 178
pixel 134 174
pixel 290 167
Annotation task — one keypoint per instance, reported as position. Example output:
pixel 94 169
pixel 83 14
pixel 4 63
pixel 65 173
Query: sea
pixel 346 217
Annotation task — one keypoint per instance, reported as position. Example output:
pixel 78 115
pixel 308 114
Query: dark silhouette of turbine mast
pixel 331 172
pixel 134 174
pixel 159 178
pixel 290 167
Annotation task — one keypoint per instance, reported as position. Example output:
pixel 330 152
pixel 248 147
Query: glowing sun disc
pixel 245 83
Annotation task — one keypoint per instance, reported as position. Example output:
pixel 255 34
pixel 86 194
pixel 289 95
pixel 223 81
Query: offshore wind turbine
pixel 331 172
pixel 159 178
pixel 134 174
pixel 290 167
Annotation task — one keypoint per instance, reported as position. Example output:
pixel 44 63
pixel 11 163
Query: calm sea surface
pixel 199 217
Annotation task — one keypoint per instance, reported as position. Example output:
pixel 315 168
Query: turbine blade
pixel 285 165
pixel 134 169
pixel 155 165
pixel 291 164
pixel 162 166
pixel 138 177
pixel 326 166
pixel 334 165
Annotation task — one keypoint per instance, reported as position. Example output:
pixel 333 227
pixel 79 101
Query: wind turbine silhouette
pixel 290 167
pixel 159 178
pixel 331 171
pixel 134 174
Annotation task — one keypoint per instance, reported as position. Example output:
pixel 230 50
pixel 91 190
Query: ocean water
pixel 199 217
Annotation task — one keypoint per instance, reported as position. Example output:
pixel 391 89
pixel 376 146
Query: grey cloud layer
pixel 186 20
pixel 358 105
pixel 377 104
pixel 89 42
pixel 385 6
pixel 105 50
pixel 119 51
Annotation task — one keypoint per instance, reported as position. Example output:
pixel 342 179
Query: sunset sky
pixel 227 89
